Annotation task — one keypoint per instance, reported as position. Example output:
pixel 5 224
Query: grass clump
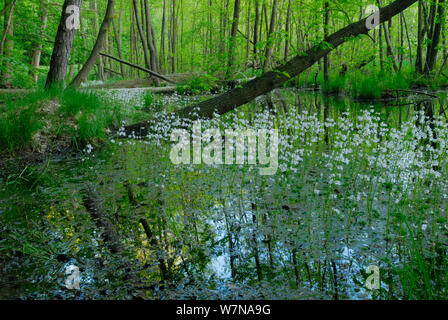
pixel 148 99
pixel 335 85
pixel 45 119
pixel 197 85
pixel 366 87
pixel 17 126
pixel 74 102
pixel 91 113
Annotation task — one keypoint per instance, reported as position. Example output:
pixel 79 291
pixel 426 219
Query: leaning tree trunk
pixel 270 42
pixel 95 54
pixel 62 47
pixel 275 79
pixel 419 58
pixel 151 41
pixel 435 38
pixel 99 64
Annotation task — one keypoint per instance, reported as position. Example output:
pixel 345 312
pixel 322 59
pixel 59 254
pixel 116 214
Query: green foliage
pixel 17 126
pixel 148 99
pixel 197 85
pixel 335 85
pixel 366 88
pixel 85 116
pixel 75 101
pixel 91 113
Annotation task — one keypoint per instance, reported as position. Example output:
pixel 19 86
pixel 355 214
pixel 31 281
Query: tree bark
pixel 151 40
pixel 236 17
pixel 162 39
pixel 7 43
pixel 117 33
pixel 388 42
pixel 95 54
pixel 326 60
pixel 256 26
pixel 152 73
pixel 142 35
pixel 270 40
pixel 62 47
pixel 275 79
pixel 431 54
pixel 288 30
pixel 419 58
pixel 37 51
pixel 8 29
pixel 99 64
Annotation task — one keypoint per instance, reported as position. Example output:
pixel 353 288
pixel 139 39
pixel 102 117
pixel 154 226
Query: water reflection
pixel 230 233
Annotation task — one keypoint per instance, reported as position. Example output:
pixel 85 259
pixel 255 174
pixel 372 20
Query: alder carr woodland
pixel 319 169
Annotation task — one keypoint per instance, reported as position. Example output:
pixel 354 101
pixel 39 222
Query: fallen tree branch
pixel 412 91
pixel 276 78
pixel 245 37
pixel 155 74
pixel 6 8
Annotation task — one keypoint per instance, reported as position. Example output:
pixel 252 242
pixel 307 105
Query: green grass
pixel 366 88
pixel 92 113
pixel 82 117
pixel 335 85
pixel 148 99
pixel 197 85
pixel 17 127
pixel 74 102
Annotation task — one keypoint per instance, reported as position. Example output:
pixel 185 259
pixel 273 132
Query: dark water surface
pixel 358 184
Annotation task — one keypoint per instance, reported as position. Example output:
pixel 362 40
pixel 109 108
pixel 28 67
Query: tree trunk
pixel 7 43
pixel 173 36
pixel 8 28
pixel 270 40
pixel 388 42
pixel 162 39
pixel 431 54
pixel 419 58
pixel 236 17
pixel 151 40
pixel 142 35
pixel 287 31
pixel 326 60
pixel 275 79
pixel 94 55
pixel 62 47
pixel 152 73
pixel 256 26
pixel 99 64
pixel 37 51
pixel 117 33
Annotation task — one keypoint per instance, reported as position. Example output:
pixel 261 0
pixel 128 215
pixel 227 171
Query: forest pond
pixel 359 184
